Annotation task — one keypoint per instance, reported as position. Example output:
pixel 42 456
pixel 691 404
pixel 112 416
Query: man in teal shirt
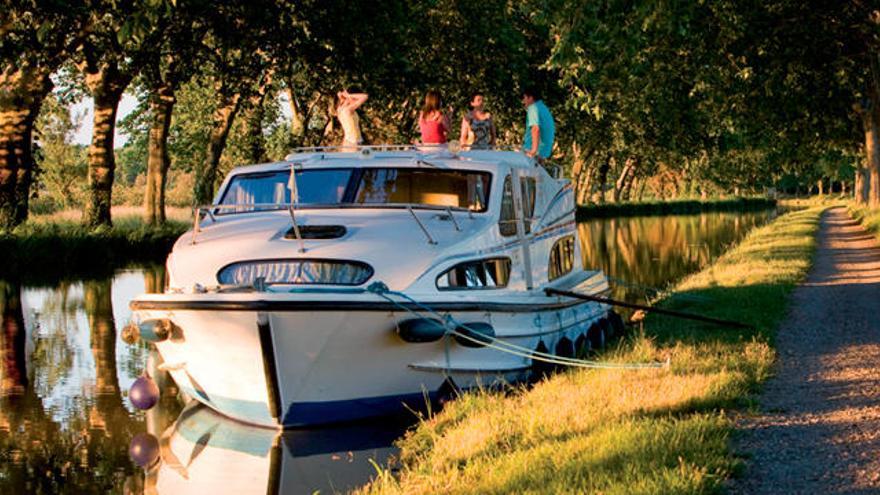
pixel 540 129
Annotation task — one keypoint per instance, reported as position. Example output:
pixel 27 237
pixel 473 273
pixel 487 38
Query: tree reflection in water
pixel 65 426
pixel 657 251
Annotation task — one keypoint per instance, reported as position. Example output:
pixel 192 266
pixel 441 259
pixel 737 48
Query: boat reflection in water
pixel 205 452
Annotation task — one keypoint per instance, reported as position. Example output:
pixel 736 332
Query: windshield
pixel 360 186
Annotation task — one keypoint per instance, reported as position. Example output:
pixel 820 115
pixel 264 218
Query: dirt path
pixel 819 431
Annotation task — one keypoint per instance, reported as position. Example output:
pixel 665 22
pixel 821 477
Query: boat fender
pixel 144 393
pixel 596 335
pixel 565 348
pixel 144 450
pixel 478 330
pixel 616 323
pixel 154 331
pixel 419 330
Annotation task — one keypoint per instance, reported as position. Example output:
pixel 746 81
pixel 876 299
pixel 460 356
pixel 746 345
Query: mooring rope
pixel 451 325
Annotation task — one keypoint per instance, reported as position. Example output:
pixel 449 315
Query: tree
pixel 122 36
pixel 35 39
pixel 172 63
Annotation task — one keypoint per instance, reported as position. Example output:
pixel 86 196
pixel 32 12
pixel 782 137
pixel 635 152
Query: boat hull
pixel 296 365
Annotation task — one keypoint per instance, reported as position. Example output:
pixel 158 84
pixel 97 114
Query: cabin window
pixel 561 257
pixel 507 221
pixel 296 272
pixel 354 187
pixel 493 273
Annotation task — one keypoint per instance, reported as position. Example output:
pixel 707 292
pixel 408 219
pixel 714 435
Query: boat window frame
pixel 362 264
pixel 503 259
pixel 551 276
pixel 350 192
pixel 529 193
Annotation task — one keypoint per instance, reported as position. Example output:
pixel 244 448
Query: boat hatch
pixel 317 232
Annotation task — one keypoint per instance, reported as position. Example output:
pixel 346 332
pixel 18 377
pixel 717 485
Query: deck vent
pixel 317 232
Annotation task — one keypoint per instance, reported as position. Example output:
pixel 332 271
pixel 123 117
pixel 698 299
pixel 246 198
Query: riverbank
pixel 674 207
pixel 46 249
pixel 613 431
pixel 870 219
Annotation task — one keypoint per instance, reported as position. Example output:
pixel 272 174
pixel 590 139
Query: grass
pixel 870 219
pixel 48 248
pixel 674 207
pixel 612 431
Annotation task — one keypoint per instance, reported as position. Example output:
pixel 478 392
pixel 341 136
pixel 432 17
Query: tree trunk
pixel 297 120
pixel 22 90
pixel 161 108
pixel 627 188
pixel 622 180
pixel 603 179
pixel 255 151
pixel 821 185
pixel 106 85
pixel 224 115
pixel 871 177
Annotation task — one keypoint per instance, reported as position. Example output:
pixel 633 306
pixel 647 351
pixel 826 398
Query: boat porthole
pixel 596 335
pixel 565 348
pixel 581 345
pixel 541 369
pixel 616 323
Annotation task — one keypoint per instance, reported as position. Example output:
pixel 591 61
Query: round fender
pixel 419 330
pixel 617 324
pixel 483 332
pixel 144 393
pixel 596 336
pixel 565 348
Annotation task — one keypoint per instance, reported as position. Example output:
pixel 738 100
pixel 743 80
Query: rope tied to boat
pixel 451 326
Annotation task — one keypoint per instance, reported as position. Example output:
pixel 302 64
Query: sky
pixel 83 135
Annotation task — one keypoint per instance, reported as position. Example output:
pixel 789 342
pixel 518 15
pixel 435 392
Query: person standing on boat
pixel 477 127
pixel 540 128
pixel 346 111
pixel 433 123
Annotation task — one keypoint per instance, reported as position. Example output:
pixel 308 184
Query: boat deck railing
pixel 426 150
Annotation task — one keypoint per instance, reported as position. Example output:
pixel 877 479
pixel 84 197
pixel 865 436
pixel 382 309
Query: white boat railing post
pixel 196 218
pixel 424 229
pixel 452 217
pixel 294 198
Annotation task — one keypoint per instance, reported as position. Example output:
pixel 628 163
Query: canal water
pixel 66 424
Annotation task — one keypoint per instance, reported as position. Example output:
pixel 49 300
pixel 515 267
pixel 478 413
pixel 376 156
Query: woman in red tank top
pixel 433 124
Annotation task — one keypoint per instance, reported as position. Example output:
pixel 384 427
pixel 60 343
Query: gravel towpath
pixel 819 429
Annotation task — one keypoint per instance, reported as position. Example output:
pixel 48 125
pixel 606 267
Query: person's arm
pixel 356 100
pixel 464 130
pixel 533 127
pixel 491 131
pixel 536 140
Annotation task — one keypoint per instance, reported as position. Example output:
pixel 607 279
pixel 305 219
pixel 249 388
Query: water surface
pixel 66 423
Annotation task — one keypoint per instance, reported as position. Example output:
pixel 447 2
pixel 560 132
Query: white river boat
pixel 338 285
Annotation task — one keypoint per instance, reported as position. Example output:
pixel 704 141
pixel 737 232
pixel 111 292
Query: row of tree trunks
pixel 158 162
pixel 227 107
pixel 22 90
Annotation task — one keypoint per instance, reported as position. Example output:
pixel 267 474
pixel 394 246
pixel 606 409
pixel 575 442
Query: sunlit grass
pixel 613 431
pixel 869 218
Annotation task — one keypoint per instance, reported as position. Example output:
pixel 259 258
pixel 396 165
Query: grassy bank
pixel 613 431
pixel 45 249
pixel 674 207
pixel 869 218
